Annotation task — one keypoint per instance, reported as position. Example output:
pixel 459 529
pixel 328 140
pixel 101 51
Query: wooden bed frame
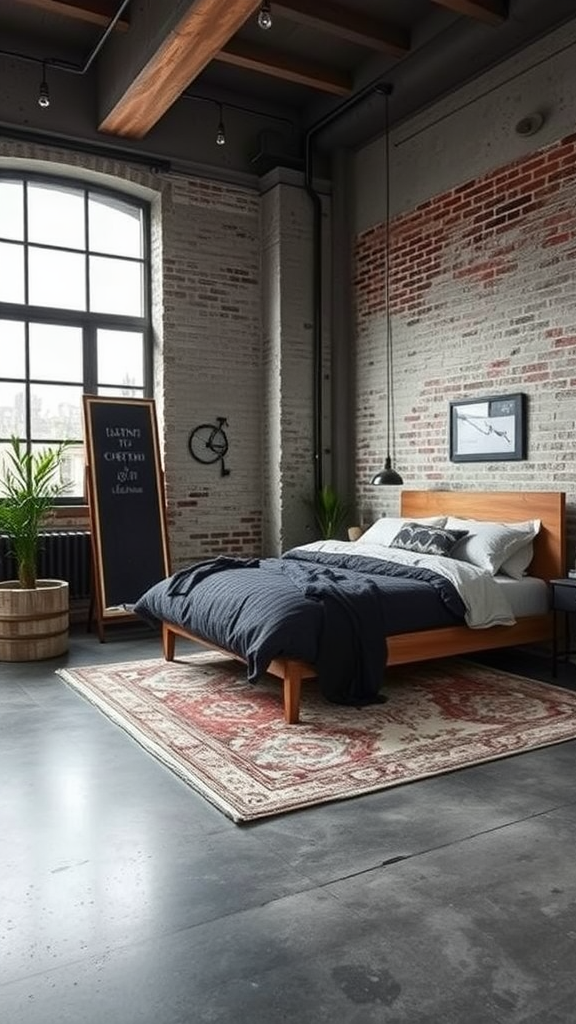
pixel 497 506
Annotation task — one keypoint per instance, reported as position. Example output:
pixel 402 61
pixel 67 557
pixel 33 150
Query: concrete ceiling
pixel 141 58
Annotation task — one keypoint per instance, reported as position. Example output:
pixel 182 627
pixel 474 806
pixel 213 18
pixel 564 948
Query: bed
pixel 447 630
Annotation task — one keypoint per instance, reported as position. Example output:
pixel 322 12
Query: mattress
pixel 529 596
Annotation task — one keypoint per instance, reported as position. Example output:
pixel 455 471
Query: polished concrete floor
pixel 125 898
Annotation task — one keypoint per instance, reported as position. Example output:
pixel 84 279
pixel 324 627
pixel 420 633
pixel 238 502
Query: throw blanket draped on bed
pixel 330 610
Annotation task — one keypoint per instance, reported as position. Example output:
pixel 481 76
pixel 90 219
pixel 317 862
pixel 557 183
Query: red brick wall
pixel 483 301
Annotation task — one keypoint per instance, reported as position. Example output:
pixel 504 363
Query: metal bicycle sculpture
pixel 208 443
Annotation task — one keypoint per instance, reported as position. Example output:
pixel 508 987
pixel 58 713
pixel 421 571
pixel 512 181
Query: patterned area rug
pixel 227 738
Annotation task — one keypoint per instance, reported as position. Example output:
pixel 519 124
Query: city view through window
pixel 73 310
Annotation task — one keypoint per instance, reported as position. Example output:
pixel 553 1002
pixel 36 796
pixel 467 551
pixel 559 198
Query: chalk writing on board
pixel 127 479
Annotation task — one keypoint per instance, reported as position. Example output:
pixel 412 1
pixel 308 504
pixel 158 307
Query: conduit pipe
pixel 317 318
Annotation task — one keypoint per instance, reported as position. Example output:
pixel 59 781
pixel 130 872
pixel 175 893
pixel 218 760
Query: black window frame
pixel 88 322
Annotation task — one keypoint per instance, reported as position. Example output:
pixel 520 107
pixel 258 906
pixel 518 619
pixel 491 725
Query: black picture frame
pixel 488 429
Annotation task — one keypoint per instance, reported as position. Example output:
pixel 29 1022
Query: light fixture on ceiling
pixel 530 124
pixel 43 92
pixel 220 131
pixel 265 15
pixel 388 476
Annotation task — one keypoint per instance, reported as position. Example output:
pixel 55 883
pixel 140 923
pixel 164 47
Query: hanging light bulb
pixel 220 131
pixel 265 15
pixel 43 92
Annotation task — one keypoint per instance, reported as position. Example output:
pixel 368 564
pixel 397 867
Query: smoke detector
pixel 529 125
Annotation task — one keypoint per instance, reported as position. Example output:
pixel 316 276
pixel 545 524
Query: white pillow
pixel 518 564
pixel 489 545
pixel 384 530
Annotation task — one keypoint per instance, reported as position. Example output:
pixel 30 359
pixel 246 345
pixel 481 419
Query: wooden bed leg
pixel 292 684
pixel 168 642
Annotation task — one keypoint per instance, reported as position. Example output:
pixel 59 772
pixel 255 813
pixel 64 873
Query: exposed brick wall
pixel 211 364
pixel 483 300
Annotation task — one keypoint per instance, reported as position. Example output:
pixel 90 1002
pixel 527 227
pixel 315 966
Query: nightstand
pixel 563 599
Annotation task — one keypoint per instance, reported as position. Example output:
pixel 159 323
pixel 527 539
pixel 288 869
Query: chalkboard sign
pixel 127 506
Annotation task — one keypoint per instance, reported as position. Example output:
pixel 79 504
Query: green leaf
pixel 330 511
pixel 28 487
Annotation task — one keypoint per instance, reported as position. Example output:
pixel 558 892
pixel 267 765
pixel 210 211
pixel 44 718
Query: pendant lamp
pixel 388 476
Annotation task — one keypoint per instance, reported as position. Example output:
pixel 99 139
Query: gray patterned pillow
pixel 427 540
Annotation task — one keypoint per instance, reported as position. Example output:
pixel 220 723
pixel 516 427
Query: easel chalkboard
pixel 127 504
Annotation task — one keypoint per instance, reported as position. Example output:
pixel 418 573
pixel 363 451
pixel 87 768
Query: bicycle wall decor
pixel 208 443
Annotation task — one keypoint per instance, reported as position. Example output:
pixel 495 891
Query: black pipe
pixel 64 65
pixel 105 150
pixel 317 269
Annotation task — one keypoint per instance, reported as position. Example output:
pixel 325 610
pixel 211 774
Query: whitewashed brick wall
pixel 288 353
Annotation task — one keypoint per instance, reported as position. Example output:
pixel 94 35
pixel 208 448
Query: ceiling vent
pixel 529 125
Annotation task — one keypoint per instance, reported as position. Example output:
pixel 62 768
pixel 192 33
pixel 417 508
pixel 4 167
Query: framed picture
pixel 488 429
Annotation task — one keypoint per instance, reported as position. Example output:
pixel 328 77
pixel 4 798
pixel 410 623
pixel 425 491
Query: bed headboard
pixel 549 560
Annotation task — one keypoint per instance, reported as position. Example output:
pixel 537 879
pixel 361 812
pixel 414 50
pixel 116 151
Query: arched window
pixel 74 308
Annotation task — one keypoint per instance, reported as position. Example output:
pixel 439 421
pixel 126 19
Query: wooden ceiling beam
pixel 97 12
pixel 493 12
pixel 354 27
pixel 205 27
pixel 288 68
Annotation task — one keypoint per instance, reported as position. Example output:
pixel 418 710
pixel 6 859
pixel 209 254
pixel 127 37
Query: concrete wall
pixel 472 131
pixel 483 239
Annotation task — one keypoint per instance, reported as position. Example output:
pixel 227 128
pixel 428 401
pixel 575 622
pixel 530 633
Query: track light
pixel 43 92
pixel 220 131
pixel 265 15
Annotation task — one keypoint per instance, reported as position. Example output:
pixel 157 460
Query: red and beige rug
pixel 227 738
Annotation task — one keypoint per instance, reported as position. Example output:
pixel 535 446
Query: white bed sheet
pixel 528 596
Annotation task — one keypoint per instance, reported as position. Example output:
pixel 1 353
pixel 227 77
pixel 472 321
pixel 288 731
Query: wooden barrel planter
pixel 33 623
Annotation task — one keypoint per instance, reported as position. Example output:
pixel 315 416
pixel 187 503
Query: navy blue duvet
pixel 332 611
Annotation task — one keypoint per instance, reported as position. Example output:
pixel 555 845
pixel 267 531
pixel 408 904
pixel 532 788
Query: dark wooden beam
pixel 185 50
pixel 355 27
pixel 494 12
pixel 97 12
pixel 281 65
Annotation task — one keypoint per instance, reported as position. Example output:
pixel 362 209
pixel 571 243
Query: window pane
pixel 115 286
pixel 55 352
pixel 55 412
pixel 56 216
pixel 57 279
pixel 12 352
pixel 12 209
pixel 12 410
pixel 121 358
pixel 71 469
pixel 69 249
pixel 124 391
pixel 11 272
pixel 114 227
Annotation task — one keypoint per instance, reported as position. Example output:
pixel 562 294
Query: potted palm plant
pixel 330 511
pixel 33 613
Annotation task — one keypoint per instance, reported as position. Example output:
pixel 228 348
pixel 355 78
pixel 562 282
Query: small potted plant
pixel 330 511
pixel 33 613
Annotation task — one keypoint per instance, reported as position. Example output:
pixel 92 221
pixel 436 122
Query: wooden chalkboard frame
pixel 125 485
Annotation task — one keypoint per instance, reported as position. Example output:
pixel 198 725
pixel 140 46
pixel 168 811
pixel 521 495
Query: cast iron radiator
pixel 62 555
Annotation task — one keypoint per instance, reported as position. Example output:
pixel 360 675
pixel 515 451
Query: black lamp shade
pixel 387 477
